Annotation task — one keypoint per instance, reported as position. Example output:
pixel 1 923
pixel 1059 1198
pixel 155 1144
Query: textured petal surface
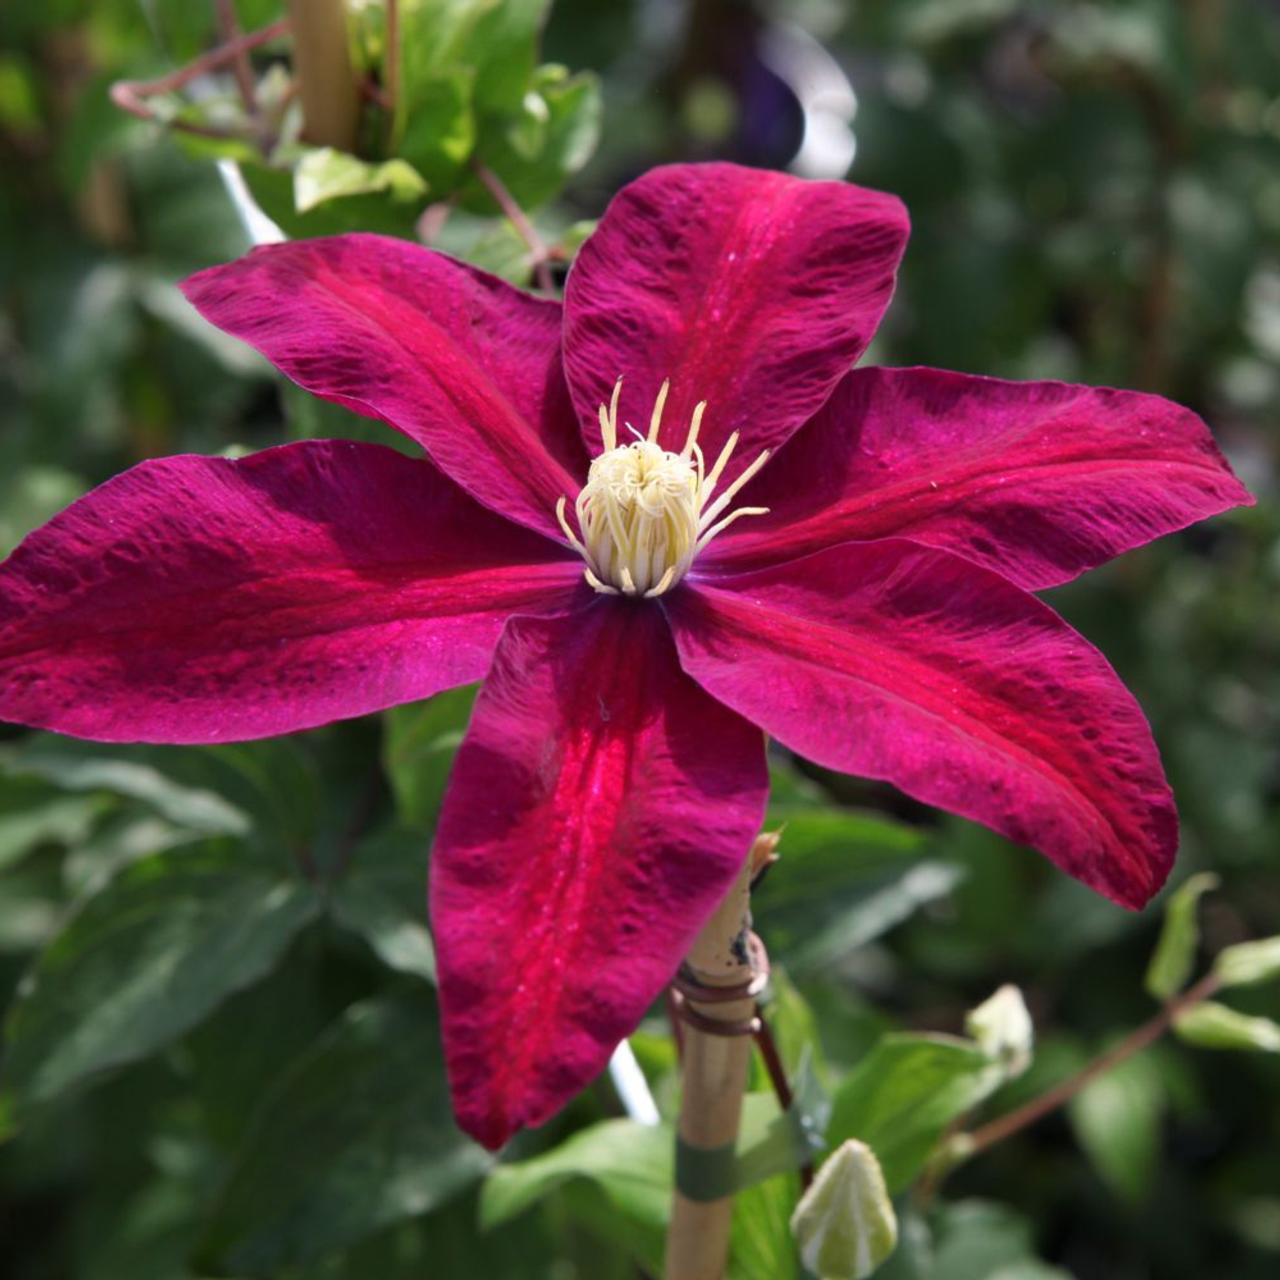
pixel 458 360
pixel 600 807
pixel 204 600
pixel 751 290
pixel 1037 480
pixel 917 667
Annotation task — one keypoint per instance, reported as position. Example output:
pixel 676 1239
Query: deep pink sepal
pixel 900 662
pixel 458 360
pixel 752 290
pixel 1037 480
pixel 207 600
pixel 599 809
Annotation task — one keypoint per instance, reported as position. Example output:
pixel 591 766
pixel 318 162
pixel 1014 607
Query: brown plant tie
pixel 686 991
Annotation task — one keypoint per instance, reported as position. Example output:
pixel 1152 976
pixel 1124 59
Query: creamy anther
pixel 645 513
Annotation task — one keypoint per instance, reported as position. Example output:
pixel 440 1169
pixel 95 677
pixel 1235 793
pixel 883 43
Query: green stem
pixel 323 73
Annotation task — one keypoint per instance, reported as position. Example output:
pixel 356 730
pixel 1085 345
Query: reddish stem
pixel 229 30
pixel 1005 1126
pixel 772 1059
pixel 131 95
pixel 541 255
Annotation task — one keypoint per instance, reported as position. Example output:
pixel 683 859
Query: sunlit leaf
pixel 1248 963
pixel 324 174
pixel 903 1094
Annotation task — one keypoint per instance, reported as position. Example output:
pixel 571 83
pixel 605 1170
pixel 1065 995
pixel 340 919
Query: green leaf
pixel 631 1163
pixel 904 1093
pixel 356 1135
pixel 575 236
pixel 843 879
pixel 571 129
pixel 434 126
pixel 84 766
pixel 1248 963
pixel 383 898
pixel 771 1141
pixel 977 1240
pixel 145 960
pixel 440 129
pixel 418 749
pixel 1117 1121
pixel 273 190
pixel 502 251
pixel 28 821
pixel 795 1030
pixel 506 44
pixel 876 913
pixel 29 497
pixel 1215 1026
pixel 616 1176
pixel 1175 953
pixel 323 174
pixel 761 1246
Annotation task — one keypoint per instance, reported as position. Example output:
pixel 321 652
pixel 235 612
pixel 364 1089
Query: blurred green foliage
pixel 220 1048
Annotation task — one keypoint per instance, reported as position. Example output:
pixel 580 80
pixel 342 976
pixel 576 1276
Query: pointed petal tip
pixel 967 693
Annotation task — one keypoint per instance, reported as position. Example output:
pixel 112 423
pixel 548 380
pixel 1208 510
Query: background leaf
pixel 143 961
pixel 356 1135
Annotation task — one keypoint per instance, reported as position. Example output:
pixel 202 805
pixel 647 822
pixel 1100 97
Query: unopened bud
pixel 1248 962
pixel 1215 1026
pixel 764 853
pixel 1002 1027
pixel 844 1225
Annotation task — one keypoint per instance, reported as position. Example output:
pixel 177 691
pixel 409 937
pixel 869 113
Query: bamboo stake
pixel 713 1080
pixel 322 69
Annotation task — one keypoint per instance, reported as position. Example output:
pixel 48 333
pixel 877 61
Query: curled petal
pixel 458 360
pixel 917 667
pixel 599 809
pixel 753 291
pixel 204 600
pixel 1037 480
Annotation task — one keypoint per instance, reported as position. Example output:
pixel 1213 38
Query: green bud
pixel 844 1224
pixel 1215 1026
pixel 1002 1027
pixel 1248 962
pixel 1175 951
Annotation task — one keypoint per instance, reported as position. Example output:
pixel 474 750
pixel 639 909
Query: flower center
pixel 645 513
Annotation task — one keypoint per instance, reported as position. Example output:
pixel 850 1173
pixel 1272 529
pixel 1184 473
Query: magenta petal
pixel 599 809
pixel 751 290
pixel 899 662
pixel 1037 480
pixel 458 360
pixel 204 600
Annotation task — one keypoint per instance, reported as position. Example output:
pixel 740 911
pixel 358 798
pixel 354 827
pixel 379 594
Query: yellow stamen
pixel 646 512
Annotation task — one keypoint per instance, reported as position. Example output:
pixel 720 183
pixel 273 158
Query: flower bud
pixel 1248 962
pixel 1215 1026
pixel 1002 1027
pixel 844 1224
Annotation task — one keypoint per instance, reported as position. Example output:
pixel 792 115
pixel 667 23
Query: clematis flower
pixel 657 520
